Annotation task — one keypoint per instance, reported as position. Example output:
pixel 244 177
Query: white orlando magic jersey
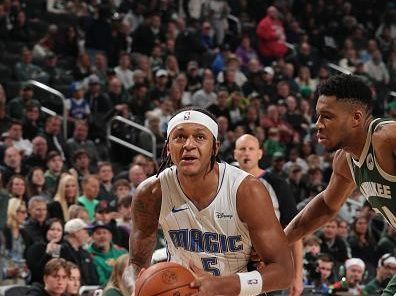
pixel 215 239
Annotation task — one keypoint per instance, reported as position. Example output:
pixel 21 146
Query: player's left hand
pixel 208 285
pixel 297 287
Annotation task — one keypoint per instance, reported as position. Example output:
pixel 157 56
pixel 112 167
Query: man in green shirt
pixel 90 186
pixel 385 271
pixel 55 166
pixel 104 251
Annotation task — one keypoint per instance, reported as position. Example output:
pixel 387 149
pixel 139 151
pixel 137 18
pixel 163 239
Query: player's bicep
pixel 255 209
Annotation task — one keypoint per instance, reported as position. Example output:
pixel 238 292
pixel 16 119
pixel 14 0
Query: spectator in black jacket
pixel 67 192
pixel 12 165
pixel 35 225
pixel 248 153
pixel 100 106
pixel 146 36
pixel 187 46
pixel 30 123
pixel 106 174
pixel 98 34
pixel 76 236
pixel 52 133
pixel 80 141
pixel 333 244
pixel 56 275
pixel 41 252
pixel 39 153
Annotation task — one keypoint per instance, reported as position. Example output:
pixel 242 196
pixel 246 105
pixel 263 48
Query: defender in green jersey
pixel 365 156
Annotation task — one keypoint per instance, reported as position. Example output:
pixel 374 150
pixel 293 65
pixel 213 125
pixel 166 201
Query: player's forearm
pixel 314 215
pixel 141 248
pixel 277 276
pixel 297 252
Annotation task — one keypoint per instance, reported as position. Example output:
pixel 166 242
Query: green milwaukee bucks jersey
pixel 377 186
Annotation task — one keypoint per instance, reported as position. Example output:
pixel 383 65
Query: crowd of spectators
pixel 254 64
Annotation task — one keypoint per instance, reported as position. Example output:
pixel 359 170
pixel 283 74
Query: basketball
pixel 165 279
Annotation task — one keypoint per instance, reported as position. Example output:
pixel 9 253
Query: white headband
pixel 192 116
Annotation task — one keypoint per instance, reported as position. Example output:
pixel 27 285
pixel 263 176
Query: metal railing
pixel 237 23
pixel 152 154
pixel 339 68
pixel 57 94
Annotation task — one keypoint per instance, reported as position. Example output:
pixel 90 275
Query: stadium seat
pixel 13 290
pixel 38 29
pixel 90 290
pixel 12 89
pixel 62 20
pixel 34 8
pixel 10 59
pixel 15 47
pixel 5 74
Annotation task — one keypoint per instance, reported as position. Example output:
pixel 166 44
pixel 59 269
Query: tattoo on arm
pixel 142 241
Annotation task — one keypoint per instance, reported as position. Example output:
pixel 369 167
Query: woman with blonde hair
pixel 66 195
pixel 15 240
pixel 115 286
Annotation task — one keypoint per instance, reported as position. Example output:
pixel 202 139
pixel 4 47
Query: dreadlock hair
pixel 166 159
pixel 347 88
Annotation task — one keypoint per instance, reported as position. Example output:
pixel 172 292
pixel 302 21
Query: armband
pixel 251 283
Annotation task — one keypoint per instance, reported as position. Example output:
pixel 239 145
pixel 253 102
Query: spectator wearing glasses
pixel 15 239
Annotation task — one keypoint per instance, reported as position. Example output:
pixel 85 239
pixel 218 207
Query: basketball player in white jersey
pixel 211 214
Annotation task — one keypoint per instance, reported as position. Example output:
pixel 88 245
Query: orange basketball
pixel 165 279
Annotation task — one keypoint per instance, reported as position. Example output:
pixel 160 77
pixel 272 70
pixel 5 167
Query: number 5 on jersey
pixel 209 265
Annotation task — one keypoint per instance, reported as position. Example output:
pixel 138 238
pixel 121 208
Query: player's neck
pixel 201 189
pixel 359 139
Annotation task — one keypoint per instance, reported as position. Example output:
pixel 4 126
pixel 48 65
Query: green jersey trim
pixel 384 174
pixel 366 147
